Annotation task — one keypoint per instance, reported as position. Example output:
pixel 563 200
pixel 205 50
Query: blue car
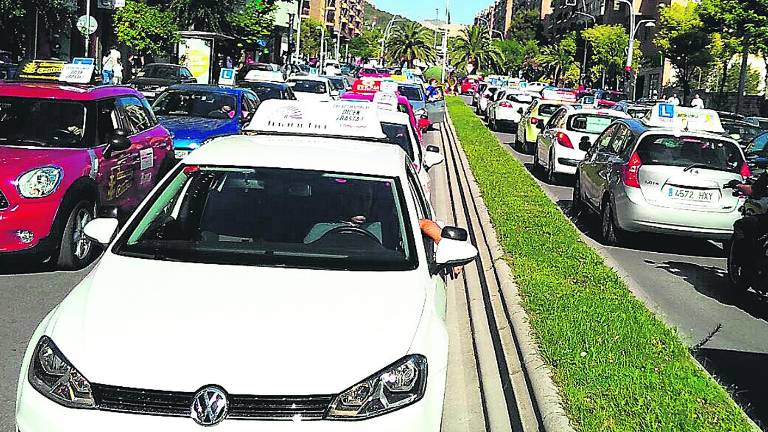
pixel 195 113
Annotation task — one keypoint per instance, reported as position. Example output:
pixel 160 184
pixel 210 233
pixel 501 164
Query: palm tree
pixel 410 41
pixel 558 56
pixel 474 47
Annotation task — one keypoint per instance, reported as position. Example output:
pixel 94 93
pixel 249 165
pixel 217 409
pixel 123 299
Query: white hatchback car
pixel 505 113
pixel 567 136
pixel 268 283
pixel 312 89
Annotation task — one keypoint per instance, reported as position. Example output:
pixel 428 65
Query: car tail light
pixel 629 171
pixel 563 140
pixel 745 171
pixel 506 105
pixel 534 120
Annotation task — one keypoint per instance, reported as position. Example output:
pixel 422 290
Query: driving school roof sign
pixel 338 119
pixel 676 117
pixel 41 70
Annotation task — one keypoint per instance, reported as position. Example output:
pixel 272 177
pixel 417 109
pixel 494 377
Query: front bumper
pixel 36 413
pixel 32 216
pixel 635 214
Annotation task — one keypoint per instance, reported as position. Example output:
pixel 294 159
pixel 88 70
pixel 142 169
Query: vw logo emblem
pixel 209 406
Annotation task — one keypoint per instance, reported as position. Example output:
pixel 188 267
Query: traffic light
pixel 627 72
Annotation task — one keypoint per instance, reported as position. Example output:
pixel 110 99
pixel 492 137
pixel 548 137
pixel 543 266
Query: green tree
pixel 683 41
pixel 311 31
pixel 722 49
pixel 608 51
pixel 367 45
pixel 752 82
pixel 253 21
pixel 17 17
pixel 474 47
pixel 204 15
pixel 146 29
pixel 525 26
pixel 558 57
pixel 410 41
pixel 515 55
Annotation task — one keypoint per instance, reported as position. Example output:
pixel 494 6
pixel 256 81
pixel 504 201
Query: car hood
pixel 16 160
pixel 198 128
pixel 312 97
pixel 252 330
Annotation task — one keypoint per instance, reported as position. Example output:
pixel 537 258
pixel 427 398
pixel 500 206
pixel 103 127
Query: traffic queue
pixel 309 217
pixel 641 166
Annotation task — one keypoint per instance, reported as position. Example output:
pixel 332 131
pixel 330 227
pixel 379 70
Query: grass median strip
pixel 618 367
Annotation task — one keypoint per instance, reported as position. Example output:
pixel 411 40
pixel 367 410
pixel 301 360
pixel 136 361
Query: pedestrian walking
pixel 107 71
pixel 697 102
pixel 117 67
pixel 673 99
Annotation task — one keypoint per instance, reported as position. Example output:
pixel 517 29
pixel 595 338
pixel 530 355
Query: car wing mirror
pixel 433 157
pixel 119 141
pixel 584 144
pixel 540 124
pixel 101 230
pixel 453 253
pixel 424 124
pixel 519 110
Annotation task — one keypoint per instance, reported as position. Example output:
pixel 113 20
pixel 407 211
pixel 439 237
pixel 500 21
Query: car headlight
pixel 396 386
pixel 39 182
pixel 55 378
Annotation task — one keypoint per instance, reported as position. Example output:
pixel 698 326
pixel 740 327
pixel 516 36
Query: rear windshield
pixel 589 123
pixel 742 132
pixel 265 92
pixel 614 97
pixel 520 98
pixel 688 151
pixel 411 93
pixel 308 86
pixel 159 71
pixel 548 109
pixel 398 134
pixel 184 103
pixel 337 83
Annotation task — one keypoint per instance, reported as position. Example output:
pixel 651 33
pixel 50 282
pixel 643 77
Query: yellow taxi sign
pixel 665 115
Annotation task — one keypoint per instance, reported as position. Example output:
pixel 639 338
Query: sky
pixel 462 11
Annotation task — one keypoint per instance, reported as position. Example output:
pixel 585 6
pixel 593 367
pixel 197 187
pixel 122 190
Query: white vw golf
pixel 269 282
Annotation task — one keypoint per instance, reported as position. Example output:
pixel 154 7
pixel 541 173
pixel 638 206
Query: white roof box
pixel 664 115
pixel 333 119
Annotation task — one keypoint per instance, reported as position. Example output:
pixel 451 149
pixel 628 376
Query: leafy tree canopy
pixel 474 47
pixel 607 46
pixel 253 21
pixel 146 29
pixel 18 16
pixel 525 26
pixel 410 41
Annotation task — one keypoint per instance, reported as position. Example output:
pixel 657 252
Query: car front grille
pixel 3 201
pixel 178 404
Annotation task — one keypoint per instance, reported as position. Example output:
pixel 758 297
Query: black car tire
pixel 738 282
pixel 76 251
pixel 610 233
pixel 552 177
pixel 576 204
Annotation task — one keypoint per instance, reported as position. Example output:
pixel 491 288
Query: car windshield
pixel 184 103
pixel 262 67
pixel 614 97
pixel 548 109
pixel 274 217
pixel 21 120
pixel 686 151
pixel 367 71
pixel 159 71
pixel 758 145
pixel 307 86
pixel 412 93
pixel 265 92
pixel 589 123
pixel 337 83
pixel 638 112
pixel 520 98
pixel 398 134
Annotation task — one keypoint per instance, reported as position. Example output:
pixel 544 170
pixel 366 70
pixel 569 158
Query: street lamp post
pixel 491 29
pixel 298 31
pixel 586 45
pixel 386 36
pixel 633 27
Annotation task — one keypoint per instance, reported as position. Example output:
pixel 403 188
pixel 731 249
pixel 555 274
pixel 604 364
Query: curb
pixel 546 394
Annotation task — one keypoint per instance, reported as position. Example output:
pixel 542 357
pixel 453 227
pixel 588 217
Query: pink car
pixel 373 73
pixel 67 154
pixel 403 105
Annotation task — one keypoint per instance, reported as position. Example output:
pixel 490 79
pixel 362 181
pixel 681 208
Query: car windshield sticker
pixel 147 159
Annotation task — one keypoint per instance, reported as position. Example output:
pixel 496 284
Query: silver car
pixel 648 179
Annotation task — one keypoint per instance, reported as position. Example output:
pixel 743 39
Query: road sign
pixel 87 25
pixel 227 77
pixel 83 61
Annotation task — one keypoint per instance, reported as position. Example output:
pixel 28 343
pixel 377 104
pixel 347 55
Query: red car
pixel 68 153
pixel 469 85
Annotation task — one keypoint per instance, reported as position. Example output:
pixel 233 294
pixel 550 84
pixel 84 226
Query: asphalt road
pixel 684 282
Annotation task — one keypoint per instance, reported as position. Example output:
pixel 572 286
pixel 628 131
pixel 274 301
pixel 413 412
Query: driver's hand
pixel 745 189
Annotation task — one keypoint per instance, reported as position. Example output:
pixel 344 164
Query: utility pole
pixel 88 35
pixel 298 31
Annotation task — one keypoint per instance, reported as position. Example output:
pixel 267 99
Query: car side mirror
pixel 101 230
pixel 584 144
pixel 540 124
pixel 433 157
pixel 119 141
pixel 519 110
pixel 424 124
pixel 452 253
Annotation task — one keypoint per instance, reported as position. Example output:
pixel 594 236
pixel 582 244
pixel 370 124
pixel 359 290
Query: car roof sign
pixel 665 115
pixel 332 119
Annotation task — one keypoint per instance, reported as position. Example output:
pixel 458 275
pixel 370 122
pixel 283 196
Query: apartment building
pixel 344 18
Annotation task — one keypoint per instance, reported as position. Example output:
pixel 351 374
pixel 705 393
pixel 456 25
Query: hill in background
pixel 375 17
